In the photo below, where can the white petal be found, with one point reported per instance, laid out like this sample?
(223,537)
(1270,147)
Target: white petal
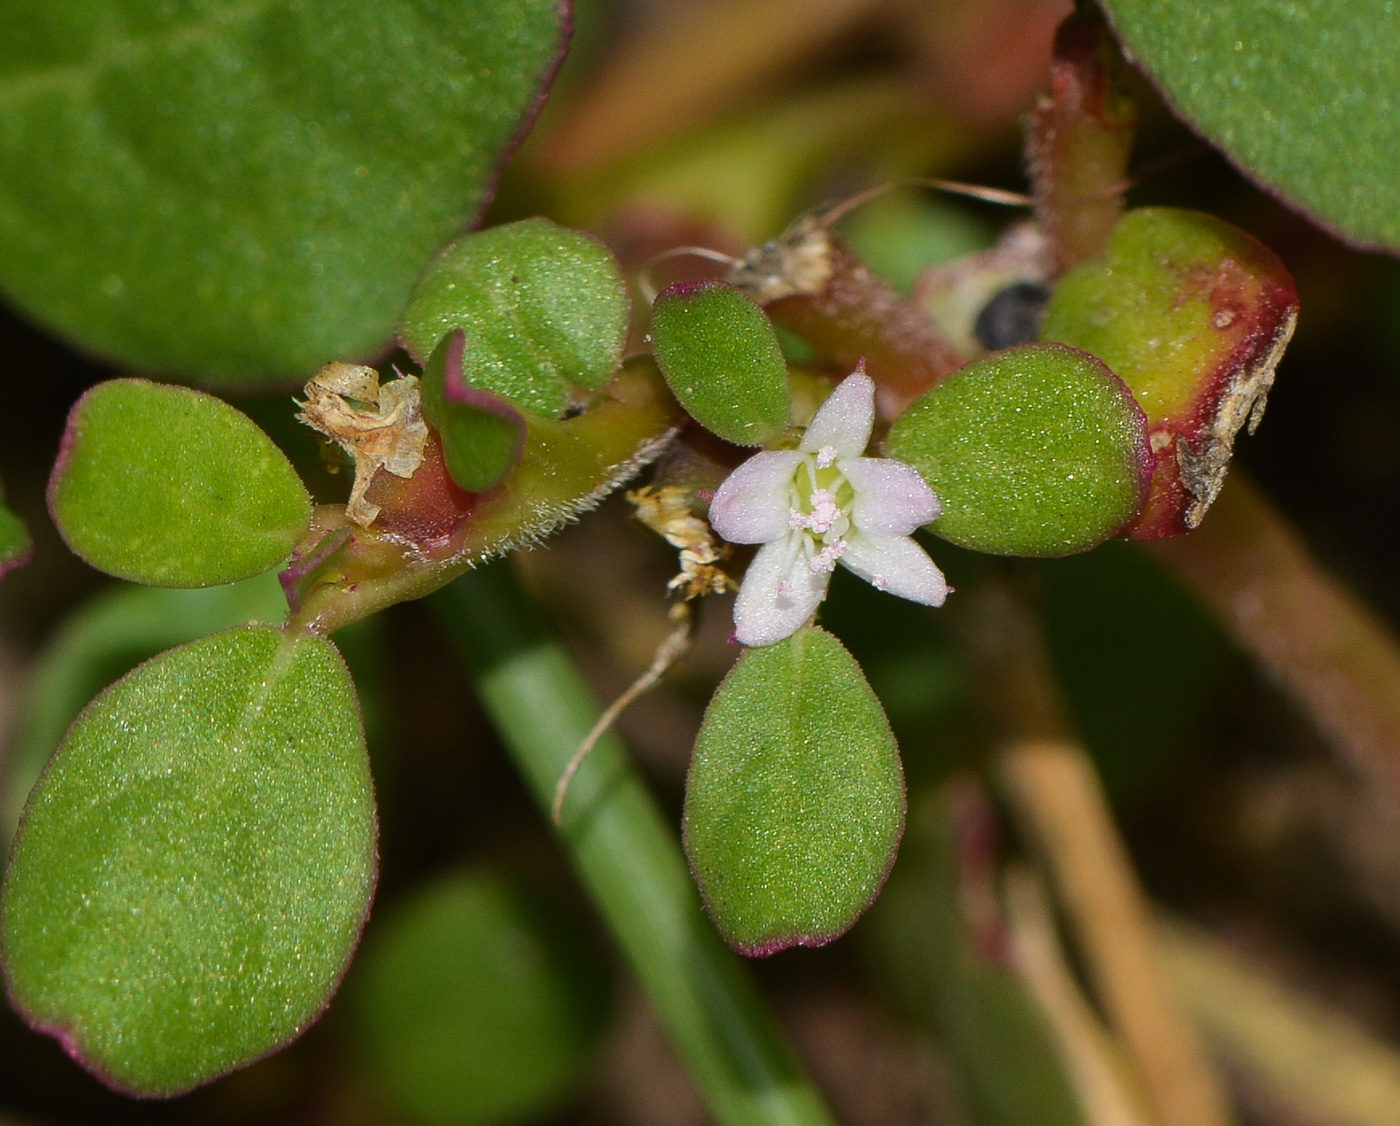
(891,498)
(753,504)
(845,420)
(895,564)
(778,595)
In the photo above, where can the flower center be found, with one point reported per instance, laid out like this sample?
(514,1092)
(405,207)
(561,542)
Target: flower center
(819,512)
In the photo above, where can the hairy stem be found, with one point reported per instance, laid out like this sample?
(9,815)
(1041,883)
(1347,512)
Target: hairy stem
(627,856)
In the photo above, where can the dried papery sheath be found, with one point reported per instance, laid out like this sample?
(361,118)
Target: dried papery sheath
(381,427)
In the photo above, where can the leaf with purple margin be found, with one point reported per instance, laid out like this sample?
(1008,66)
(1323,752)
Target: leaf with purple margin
(1193,315)
(482,434)
(15,544)
(1039,450)
(1303,95)
(721,357)
(543,308)
(193,869)
(243,190)
(794,803)
(171,487)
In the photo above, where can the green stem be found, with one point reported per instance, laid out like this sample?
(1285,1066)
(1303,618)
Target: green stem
(627,856)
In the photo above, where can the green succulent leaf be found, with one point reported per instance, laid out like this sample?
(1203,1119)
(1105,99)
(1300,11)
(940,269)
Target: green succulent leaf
(104,638)
(241,190)
(482,434)
(193,869)
(1193,315)
(543,308)
(171,487)
(1304,95)
(721,357)
(470,1007)
(1038,450)
(794,804)
(15,544)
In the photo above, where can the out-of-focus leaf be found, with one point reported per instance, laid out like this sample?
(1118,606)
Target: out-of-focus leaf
(15,544)
(794,803)
(913,666)
(939,946)
(1193,315)
(1139,662)
(172,487)
(542,309)
(193,869)
(104,639)
(470,1007)
(245,191)
(1038,450)
(1304,95)
(722,360)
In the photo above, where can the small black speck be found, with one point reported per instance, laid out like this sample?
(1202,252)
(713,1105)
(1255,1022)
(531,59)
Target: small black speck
(1013,316)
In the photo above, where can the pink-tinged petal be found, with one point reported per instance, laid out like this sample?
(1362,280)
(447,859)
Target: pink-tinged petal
(844,421)
(891,499)
(779,593)
(753,504)
(895,564)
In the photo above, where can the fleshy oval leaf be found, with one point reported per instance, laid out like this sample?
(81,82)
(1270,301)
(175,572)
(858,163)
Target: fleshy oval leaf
(1193,315)
(1303,95)
(15,544)
(470,1007)
(193,869)
(242,191)
(721,357)
(171,487)
(482,435)
(794,804)
(105,637)
(1038,450)
(543,308)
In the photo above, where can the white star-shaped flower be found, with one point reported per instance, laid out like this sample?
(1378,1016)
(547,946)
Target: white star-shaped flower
(823,504)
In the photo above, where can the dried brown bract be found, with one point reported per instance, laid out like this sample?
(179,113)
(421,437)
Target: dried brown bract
(666,511)
(380,427)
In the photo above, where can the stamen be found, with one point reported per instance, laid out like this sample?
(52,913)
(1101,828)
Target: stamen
(824,562)
(826,456)
(825,511)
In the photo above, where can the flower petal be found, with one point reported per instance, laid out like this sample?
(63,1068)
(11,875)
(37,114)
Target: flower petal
(845,420)
(895,564)
(779,593)
(891,499)
(753,504)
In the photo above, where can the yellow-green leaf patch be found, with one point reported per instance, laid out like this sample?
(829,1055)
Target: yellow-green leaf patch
(171,487)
